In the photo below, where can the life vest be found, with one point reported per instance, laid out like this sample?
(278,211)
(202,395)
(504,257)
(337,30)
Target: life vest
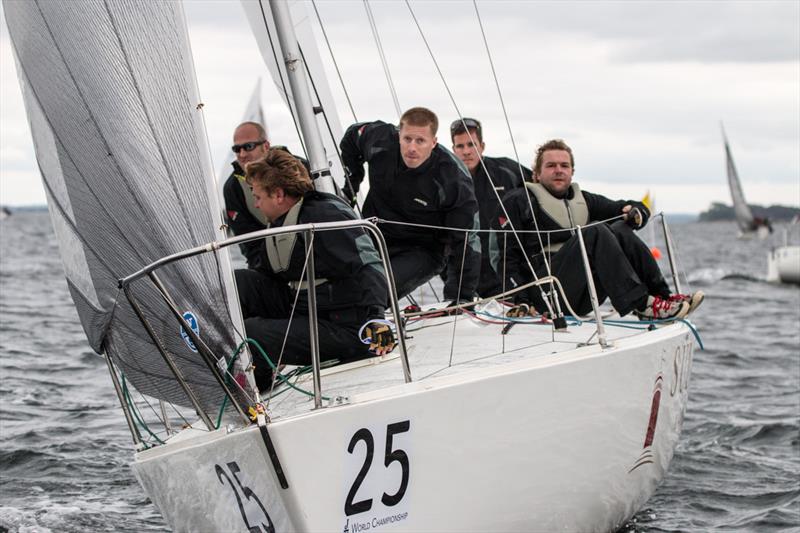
(250,200)
(565,212)
(280,248)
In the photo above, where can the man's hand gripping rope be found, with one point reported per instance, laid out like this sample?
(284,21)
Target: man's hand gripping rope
(378,334)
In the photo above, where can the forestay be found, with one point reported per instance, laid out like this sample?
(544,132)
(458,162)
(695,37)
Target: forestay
(110,93)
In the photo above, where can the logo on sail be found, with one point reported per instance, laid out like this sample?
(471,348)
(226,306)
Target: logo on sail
(190,319)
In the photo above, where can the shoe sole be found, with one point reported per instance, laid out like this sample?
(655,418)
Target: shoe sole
(695,301)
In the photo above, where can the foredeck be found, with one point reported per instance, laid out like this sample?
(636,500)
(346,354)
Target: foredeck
(445,346)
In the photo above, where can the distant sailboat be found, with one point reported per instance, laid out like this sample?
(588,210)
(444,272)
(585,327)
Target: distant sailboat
(749,225)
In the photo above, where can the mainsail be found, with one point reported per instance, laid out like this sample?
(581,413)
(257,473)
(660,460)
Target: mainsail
(110,93)
(744,217)
(260,17)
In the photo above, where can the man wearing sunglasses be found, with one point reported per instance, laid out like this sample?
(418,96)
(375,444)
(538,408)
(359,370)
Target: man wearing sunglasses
(492,178)
(249,143)
(414,182)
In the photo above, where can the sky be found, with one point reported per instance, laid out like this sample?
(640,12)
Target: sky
(638,89)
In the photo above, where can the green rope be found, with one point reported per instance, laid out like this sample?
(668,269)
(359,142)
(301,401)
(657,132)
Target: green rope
(281,377)
(136,415)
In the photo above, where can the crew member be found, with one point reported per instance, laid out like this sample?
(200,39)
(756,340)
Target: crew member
(249,143)
(492,178)
(351,287)
(623,268)
(413,180)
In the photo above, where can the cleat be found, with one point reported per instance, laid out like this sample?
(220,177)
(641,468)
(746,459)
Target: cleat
(658,308)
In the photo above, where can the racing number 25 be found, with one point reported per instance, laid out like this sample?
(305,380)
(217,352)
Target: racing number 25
(390,456)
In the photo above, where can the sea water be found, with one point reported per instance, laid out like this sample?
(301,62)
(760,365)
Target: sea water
(65,448)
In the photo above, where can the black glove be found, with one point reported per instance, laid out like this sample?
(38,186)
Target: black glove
(521,310)
(349,194)
(634,218)
(379,336)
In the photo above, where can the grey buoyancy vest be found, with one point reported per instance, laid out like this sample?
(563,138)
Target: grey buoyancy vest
(250,200)
(567,213)
(280,248)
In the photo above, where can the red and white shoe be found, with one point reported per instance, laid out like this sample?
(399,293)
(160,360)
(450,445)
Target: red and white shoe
(694,300)
(658,308)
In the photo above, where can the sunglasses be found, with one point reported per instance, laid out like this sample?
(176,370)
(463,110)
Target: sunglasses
(247,147)
(462,125)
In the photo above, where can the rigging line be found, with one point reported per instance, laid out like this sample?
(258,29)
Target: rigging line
(134,363)
(382,55)
(335,64)
(499,92)
(278,64)
(328,126)
(291,317)
(472,230)
(458,297)
(483,164)
(508,125)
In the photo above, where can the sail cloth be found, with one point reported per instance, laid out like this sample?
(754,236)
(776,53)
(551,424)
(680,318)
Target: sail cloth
(111,98)
(259,15)
(253,113)
(744,217)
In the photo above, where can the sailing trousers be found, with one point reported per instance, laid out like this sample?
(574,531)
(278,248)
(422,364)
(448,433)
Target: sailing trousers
(267,307)
(412,266)
(623,269)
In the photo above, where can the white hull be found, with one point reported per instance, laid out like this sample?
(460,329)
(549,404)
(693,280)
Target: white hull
(783,265)
(546,443)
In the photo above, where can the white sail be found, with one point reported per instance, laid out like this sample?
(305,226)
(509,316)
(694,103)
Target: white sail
(254,112)
(259,15)
(744,217)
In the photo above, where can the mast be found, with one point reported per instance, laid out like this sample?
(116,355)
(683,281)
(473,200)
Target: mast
(295,67)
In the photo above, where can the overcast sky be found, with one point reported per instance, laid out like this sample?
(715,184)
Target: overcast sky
(638,89)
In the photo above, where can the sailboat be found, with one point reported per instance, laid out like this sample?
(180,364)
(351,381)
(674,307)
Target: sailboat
(468,426)
(748,224)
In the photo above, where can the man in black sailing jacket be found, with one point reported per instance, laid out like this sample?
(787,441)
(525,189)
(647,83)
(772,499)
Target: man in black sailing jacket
(413,180)
(623,268)
(493,178)
(350,290)
(249,143)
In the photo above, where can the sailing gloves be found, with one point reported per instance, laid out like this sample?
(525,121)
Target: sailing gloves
(379,336)
(634,218)
(521,311)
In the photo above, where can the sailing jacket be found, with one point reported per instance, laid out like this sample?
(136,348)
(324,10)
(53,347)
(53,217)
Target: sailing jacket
(241,214)
(555,215)
(505,177)
(437,193)
(347,268)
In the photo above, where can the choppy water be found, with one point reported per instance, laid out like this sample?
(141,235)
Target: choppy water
(65,448)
